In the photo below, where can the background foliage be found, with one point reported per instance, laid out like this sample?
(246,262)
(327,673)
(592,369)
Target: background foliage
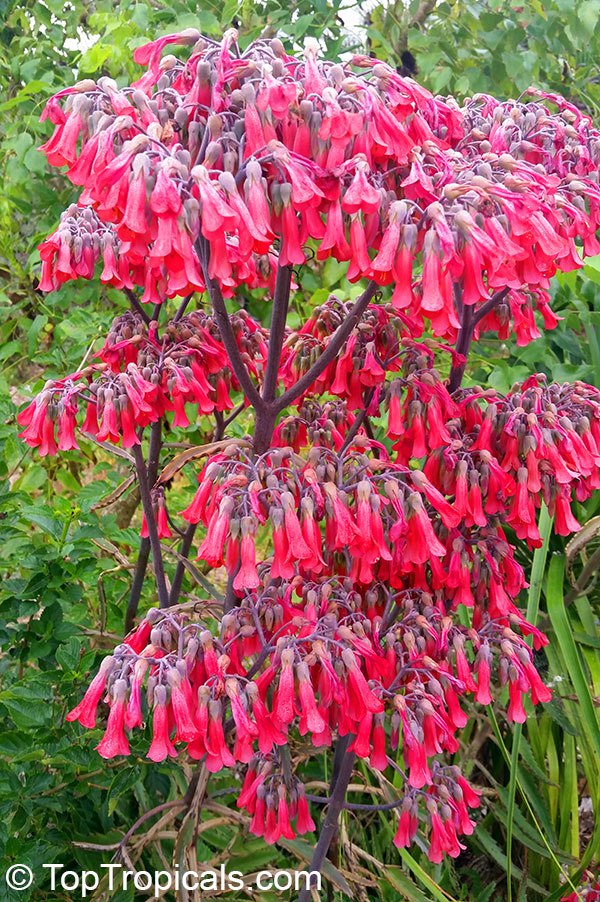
(65,565)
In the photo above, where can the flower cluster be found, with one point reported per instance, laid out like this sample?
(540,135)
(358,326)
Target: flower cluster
(141,379)
(589,889)
(418,405)
(445,810)
(321,656)
(375,514)
(539,442)
(258,153)
(73,250)
(315,423)
(272,802)
(367,532)
(373,349)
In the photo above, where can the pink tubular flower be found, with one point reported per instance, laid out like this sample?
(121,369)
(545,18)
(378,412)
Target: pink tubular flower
(187,729)
(269,733)
(291,252)
(138,638)
(282,565)
(470,795)
(272,830)
(378,757)
(310,719)
(360,696)
(85,711)
(247,576)
(114,742)
(304,822)
(248,796)
(258,823)
(246,728)
(161,746)
(283,815)
(298,549)
(211,549)
(442,837)
(482,668)
(218,754)
(133,714)
(283,707)
(516,711)
(407,825)
(361,744)
(421,541)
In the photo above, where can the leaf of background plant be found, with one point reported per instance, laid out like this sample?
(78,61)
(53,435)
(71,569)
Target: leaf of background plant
(405,886)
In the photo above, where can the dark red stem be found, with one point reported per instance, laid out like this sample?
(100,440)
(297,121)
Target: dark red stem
(336,342)
(469,320)
(263,428)
(182,307)
(159,570)
(358,421)
(136,305)
(463,343)
(357,806)
(266,415)
(336,805)
(186,544)
(223,322)
(144,552)
(489,305)
(137,584)
(281,300)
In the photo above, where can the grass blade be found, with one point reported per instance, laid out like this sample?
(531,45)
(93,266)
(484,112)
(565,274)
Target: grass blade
(533,606)
(583,708)
(434,888)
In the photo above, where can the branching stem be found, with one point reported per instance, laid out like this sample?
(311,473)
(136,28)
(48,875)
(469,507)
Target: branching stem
(358,421)
(336,804)
(136,305)
(144,552)
(159,570)
(137,584)
(186,545)
(281,300)
(333,348)
(224,323)
(182,307)
(469,320)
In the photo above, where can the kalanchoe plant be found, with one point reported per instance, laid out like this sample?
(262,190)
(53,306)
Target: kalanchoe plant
(373,500)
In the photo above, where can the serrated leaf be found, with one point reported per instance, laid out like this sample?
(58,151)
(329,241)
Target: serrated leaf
(27,705)
(125,779)
(68,654)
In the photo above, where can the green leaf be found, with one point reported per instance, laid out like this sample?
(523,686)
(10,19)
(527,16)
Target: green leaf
(394,876)
(533,603)
(27,704)
(572,660)
(482,838)
(125,779)
(436,891)
(304,851)
(33,478)
(68,654)
(554,709)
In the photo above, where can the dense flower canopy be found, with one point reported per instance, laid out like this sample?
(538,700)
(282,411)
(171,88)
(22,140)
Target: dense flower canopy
(368,539)
(260,153)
